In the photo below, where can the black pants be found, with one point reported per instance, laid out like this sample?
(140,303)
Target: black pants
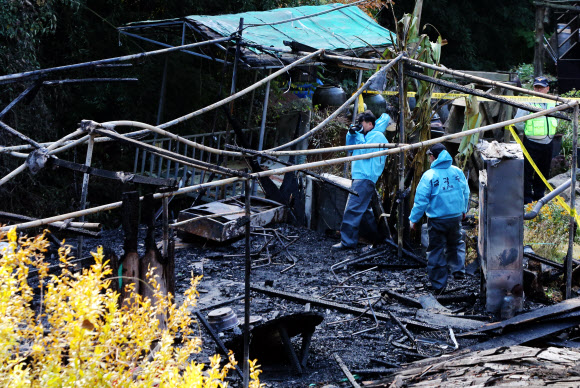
(446,250)
(542,157)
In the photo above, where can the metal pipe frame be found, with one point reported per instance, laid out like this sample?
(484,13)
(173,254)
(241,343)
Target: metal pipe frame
(85,190)
(16,77)
(168,45)
(247,275)
(401,205)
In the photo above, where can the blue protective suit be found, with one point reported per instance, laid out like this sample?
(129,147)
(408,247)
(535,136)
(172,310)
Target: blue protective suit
(442,192)
(365,174)
(370,169)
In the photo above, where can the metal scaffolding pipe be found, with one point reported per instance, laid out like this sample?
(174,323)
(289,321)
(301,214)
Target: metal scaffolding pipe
(27,74)
(241,92)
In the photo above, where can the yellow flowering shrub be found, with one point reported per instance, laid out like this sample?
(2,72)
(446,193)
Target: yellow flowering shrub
(548,232)
(80,337)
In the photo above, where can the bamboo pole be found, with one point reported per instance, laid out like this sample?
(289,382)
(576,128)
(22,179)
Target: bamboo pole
(241,92)
(406,147)
(176,157)
(340,109)
(51,150)
(486,81)
(570,255)
(479,93)
(114,205)
(27,74)
(103,139)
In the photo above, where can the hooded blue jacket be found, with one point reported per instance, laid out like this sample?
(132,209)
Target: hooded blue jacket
(442,191)
(370,169)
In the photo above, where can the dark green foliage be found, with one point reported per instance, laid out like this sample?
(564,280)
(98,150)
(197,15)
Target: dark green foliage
(482,35)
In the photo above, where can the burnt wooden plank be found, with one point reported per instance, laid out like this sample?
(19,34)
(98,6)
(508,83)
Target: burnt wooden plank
(521,336)
(411,302)
(535,315)
(339,307)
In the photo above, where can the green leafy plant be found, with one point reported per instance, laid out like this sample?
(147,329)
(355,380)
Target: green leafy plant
(566,128)
(548,232)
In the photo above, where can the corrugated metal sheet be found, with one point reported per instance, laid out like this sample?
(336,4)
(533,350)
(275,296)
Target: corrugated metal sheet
(343,29)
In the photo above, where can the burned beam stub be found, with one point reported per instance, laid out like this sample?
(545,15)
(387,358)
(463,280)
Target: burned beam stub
(501,222)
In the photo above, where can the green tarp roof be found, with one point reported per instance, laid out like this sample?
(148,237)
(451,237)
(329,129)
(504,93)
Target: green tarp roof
(343,29)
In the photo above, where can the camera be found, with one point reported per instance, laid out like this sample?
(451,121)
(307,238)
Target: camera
(354,128)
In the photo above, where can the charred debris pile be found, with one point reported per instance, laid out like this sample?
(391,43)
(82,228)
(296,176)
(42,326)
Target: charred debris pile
(310,314)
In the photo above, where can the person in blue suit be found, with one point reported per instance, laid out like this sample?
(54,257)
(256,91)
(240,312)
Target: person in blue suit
(365,174)
(443,194)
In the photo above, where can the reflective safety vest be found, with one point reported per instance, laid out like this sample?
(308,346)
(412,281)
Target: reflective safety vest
(541,126)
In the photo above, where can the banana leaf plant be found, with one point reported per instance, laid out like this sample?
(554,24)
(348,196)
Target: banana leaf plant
(417,123)
(473,119)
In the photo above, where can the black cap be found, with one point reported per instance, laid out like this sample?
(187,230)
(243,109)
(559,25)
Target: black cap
(436,149)
(541,81)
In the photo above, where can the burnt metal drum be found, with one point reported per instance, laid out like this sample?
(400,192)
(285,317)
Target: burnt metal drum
(222,319)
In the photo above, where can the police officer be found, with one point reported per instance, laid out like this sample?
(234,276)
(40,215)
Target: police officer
(365,174)
(538,136)
(443,194)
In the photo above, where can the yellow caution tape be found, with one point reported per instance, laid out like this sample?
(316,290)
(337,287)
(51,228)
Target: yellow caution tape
(453,96)
(560,200)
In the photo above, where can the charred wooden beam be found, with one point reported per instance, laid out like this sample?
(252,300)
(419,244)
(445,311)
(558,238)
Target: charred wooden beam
(338,306)
(533,256)
(345,370)
(411,302)
(217,339)
(124,177)
(407,252)
(535,315)
(447,299)
(19,135)
(375,371)
(22,95)
(479,93)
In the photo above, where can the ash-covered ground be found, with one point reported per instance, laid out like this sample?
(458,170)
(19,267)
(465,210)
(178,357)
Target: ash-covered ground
(381,346)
